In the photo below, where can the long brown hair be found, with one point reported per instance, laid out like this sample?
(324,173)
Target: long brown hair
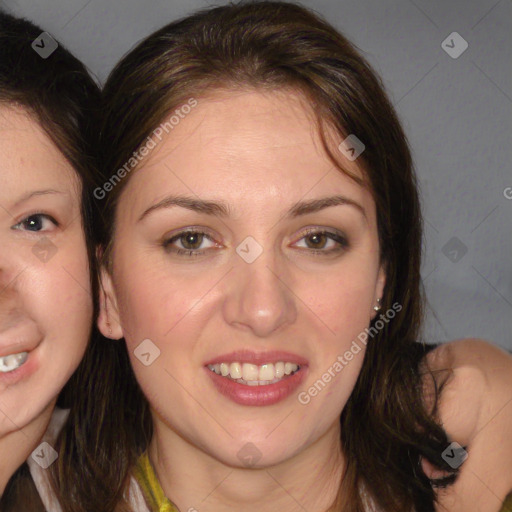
(386,425)
(62,97)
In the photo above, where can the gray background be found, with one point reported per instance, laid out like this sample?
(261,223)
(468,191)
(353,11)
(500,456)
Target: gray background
(456,112)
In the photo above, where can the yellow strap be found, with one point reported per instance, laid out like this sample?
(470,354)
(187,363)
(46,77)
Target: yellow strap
(507,504)
(153,492)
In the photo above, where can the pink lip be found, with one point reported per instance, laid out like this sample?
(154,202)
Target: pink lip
(258,358)
(21,338)
(258,395)
(29,367)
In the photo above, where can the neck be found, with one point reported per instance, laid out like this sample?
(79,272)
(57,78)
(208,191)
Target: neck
(194,480)
(16,445)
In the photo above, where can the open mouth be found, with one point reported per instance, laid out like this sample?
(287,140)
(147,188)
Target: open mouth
(255,375)
(12,362)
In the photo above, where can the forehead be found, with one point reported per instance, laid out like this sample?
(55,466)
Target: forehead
(27,153)
(244,145)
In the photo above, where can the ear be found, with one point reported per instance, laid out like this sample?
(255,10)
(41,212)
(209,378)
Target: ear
(379,289)
(108,319)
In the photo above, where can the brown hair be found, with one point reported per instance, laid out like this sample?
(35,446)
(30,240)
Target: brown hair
(61,96)
(386,426)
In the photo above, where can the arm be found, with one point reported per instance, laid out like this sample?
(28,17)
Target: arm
(476,411)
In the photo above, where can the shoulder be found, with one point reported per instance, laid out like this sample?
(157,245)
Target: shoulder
(135,496)
(475,409)
(38,470)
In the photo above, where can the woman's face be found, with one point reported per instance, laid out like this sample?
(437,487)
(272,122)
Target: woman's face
(255,286)
(45,296)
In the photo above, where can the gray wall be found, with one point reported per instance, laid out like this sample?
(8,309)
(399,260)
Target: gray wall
(456,111)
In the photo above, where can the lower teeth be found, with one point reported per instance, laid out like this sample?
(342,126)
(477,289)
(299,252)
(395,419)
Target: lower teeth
(256,382)
(259,382)
(12,362)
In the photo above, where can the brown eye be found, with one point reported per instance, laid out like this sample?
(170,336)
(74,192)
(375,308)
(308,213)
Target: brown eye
(190,242)
(318,241)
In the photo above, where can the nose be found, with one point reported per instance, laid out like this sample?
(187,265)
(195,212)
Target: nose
(259,297)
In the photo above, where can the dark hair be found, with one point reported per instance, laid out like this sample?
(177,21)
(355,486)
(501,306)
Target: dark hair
(386,425)
(61,96)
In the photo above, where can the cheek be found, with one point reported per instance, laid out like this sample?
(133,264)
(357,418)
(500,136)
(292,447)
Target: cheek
(75,282)
(342,307)
(56,297)
(60,291)
(342,301)
(156,305)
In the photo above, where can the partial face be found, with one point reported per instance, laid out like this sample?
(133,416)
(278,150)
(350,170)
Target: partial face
(45,296)
(250,286)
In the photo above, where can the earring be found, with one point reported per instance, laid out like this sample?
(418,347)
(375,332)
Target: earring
(378,306)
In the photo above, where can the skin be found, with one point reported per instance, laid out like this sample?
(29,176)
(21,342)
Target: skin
(268,157)
(260,154)
(48,301)
(476,411)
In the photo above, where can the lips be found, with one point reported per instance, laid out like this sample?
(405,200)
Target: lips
(16,346)
(257,378)
(258,358)
(24,337)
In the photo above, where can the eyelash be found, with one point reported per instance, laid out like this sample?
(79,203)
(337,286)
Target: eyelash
(32,216)
(335,236)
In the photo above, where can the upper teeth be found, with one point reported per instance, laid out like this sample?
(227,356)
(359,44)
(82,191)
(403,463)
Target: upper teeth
(253,373)
(12,361)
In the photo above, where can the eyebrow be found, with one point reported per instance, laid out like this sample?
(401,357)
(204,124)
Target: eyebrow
(34,193)
(221,209)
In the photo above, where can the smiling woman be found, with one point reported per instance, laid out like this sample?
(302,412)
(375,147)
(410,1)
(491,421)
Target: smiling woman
(269,246)
(46,287)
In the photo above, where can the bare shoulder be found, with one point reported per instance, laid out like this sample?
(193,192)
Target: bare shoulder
(475,351)
(475,409)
